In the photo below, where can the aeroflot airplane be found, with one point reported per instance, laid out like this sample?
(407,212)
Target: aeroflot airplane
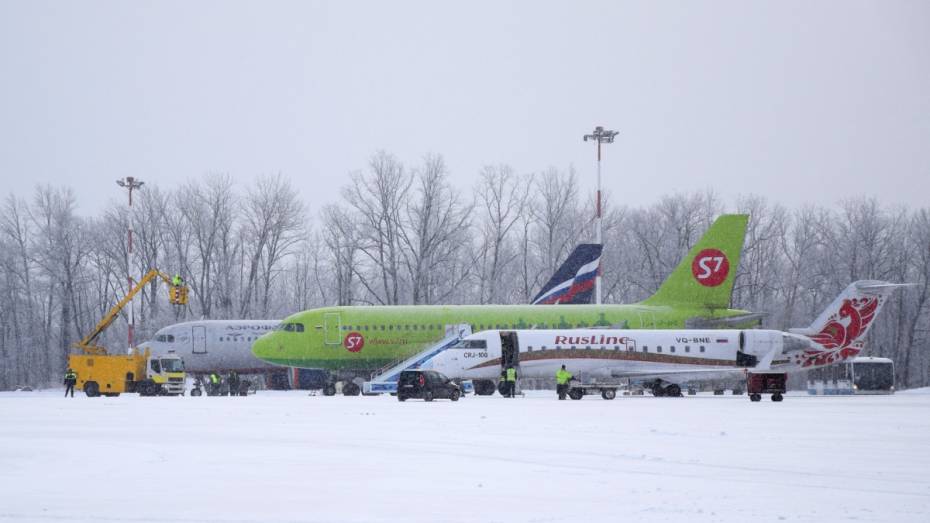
(226,345)
(696,294)
(667,358)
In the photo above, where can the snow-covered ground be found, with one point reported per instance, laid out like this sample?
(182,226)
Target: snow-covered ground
(294,457)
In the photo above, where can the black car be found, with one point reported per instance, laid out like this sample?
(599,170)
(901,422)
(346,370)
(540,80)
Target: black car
(426,384)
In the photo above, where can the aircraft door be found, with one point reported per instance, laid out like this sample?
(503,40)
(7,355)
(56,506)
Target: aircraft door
(510,357)
(199,339)
(510,350)
(331,328)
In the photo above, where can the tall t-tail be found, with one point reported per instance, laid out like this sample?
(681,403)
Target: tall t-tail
(840,330)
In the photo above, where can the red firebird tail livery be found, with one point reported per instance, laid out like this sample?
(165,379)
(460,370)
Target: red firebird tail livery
(839,331)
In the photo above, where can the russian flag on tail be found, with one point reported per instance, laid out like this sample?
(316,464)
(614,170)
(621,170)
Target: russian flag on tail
(573,283)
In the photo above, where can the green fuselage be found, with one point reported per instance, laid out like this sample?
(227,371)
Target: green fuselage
(369,338)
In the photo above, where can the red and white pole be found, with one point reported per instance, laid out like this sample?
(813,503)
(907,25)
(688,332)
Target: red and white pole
(597,278)
(600,135)
(130,184)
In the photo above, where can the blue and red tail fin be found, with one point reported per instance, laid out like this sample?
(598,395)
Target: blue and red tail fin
(573,283)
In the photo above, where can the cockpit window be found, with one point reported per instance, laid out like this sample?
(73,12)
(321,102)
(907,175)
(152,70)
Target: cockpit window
(472,344)
(292,327)
(165,338)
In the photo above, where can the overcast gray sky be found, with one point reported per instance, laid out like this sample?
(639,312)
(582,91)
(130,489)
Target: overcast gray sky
(803,101)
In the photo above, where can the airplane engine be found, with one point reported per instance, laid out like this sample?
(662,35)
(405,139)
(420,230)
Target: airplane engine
(755,344)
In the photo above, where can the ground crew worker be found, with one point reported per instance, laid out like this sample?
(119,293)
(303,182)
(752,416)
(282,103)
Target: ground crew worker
(70,380)
(511,382)
(214,383)
(233,381)
(562,377)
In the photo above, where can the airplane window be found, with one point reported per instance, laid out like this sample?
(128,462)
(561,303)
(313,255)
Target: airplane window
(687,348)
(414,327)
(573,347)
(645,348)
(390,327)
(407,327)
(529,349)
(587,346)
(382,327)
(543,347)
(659,348)
(702,348)
(616,347)
(672,348)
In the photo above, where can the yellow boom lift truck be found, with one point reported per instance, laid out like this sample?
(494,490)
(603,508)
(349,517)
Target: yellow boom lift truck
(110,374)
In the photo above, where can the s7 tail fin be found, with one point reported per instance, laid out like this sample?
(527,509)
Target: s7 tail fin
(705,276)
(573,282)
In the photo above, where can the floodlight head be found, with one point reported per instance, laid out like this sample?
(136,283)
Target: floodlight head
(121,183)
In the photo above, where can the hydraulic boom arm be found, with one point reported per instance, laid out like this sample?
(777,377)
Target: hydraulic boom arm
(177,295)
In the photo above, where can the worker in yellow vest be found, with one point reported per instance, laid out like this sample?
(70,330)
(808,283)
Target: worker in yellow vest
(70,380)
(562,377)
(511,378)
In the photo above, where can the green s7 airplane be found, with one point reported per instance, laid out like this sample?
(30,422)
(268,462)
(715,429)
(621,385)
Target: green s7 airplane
(367,338)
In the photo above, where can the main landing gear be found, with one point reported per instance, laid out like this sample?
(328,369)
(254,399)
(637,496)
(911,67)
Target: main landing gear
(671,390)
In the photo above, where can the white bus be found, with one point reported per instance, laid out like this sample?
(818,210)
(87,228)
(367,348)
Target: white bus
(861,375)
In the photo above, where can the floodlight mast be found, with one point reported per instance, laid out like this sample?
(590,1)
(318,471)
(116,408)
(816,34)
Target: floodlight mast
(600,135)
(130,184)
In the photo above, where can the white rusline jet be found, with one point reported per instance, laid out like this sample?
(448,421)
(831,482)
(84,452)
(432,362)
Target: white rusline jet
(666,358)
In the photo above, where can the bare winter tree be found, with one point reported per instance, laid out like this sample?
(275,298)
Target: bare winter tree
(432,220)
(273,223)
(209,207)
(340,235)
(501,200)
(378,199)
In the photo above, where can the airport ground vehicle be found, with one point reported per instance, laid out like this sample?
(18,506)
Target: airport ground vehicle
(112,374)
(426,384)
(759,383)
(576,391)
(861,375)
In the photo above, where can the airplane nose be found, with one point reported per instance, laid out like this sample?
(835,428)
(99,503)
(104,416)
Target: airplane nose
(261,347)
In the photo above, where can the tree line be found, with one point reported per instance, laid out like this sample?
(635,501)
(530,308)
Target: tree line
(405,234)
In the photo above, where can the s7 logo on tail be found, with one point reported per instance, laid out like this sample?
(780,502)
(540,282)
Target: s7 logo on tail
(710,267)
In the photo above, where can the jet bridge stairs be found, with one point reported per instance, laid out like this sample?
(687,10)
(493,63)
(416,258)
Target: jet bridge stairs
(385,380)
